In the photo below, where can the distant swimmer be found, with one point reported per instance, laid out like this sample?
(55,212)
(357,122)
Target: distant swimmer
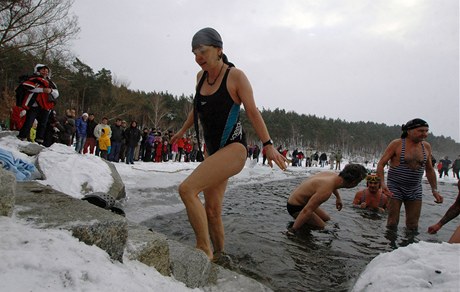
(371,198)
(303,204)
(451,213)
(409,157)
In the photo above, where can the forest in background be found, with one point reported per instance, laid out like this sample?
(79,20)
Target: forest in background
(34,32)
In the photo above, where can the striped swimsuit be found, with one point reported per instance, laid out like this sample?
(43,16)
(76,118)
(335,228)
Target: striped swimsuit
(220,118)
(406,183)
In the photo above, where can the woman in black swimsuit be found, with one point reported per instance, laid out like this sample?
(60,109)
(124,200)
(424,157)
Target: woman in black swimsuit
(221,90)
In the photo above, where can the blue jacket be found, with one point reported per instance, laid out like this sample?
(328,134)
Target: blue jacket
(81,126)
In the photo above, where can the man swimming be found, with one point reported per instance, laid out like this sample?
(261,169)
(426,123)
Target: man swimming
(303,204)
(371,198)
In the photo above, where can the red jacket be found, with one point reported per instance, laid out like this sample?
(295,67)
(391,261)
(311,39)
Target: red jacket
(188,147)
(181,142)
(44,100)
(16,120)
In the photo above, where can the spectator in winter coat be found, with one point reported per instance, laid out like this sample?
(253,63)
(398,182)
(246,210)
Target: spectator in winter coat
(97,131)
(331,160)
(315,158)
(445,166)
(81,126)
(38,102)
(124,126)
(180,148)
(149,150)
(53,130)
(145,134)
(256,152)
(294,157)
(174,150)
(456,167)
(104,143)
(323,159)
(90,138)
(158,150)
(187,149)
(115,141)
(165,150)
(338,160)
(33,131)
(65,137)
(132,137)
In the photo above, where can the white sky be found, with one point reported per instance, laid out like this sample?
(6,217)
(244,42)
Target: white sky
(53,260)
(385,61)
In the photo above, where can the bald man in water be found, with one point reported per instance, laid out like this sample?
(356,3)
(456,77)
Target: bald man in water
(303,204)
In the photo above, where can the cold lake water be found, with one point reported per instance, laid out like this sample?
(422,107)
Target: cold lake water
(255,220)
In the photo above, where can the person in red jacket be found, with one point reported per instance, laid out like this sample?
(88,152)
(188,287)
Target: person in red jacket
(187,149)
(38,102)
(180,148)
(18,118)
(158,150)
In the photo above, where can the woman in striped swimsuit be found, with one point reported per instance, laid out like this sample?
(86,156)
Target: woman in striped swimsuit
(409,157)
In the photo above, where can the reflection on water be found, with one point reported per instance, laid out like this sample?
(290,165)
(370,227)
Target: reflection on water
(255,220)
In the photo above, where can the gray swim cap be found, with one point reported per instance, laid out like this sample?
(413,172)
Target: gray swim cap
(208,37)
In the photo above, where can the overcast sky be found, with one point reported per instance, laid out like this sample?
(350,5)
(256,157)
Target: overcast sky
(385,61)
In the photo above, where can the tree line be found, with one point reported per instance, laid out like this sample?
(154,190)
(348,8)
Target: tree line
(40,32)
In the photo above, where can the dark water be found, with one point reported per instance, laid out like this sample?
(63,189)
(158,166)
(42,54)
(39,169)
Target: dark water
(255,220)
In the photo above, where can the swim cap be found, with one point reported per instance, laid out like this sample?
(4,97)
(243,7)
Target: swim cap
(412,124)
(207,36)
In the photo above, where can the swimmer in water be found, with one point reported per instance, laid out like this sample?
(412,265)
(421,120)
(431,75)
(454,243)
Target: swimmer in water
(303,204)
(371,198)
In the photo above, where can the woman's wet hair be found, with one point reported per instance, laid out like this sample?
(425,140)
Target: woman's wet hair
(353,173)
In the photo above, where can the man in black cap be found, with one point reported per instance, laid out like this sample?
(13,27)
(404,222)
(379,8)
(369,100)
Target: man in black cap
(409,157)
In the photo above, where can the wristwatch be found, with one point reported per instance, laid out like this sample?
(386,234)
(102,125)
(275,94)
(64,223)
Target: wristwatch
(269,142)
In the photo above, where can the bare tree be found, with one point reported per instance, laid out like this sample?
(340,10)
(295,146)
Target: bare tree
(40,27)
(160,111)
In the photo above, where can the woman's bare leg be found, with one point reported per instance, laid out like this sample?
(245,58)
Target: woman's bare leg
(213,197)
(212,172)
